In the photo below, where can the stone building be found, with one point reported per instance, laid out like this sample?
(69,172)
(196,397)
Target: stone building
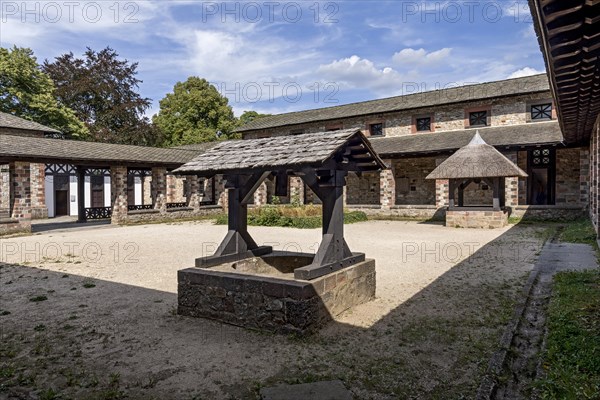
(42,176)
(569,37)
(415,133)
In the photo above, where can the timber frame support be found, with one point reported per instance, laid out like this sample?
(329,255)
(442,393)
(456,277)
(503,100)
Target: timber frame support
(238,244)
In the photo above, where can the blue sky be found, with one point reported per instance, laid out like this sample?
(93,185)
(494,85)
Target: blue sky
(281,56)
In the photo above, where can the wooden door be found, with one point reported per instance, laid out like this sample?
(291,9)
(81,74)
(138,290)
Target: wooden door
(61,195)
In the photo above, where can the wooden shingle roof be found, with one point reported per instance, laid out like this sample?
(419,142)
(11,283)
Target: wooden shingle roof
(509,87)
(285,152)
(34,149)
(14,122)
(538,133)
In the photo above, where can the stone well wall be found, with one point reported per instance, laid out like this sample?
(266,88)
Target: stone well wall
(273,304)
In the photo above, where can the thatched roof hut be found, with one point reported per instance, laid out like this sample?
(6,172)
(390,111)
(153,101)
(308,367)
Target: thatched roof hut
(476,160)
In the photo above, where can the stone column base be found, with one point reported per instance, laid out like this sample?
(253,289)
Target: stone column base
(481,219)
(39,212)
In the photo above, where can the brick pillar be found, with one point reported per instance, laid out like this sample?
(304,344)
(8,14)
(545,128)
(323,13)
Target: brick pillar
(221,197)
(584,177)
(260,196)
(193,192)
(208,190)
(39,210)
(159,188)
(171,189)
(147,189)
(387,187)
(118,193)
(296,190)
(20,194)
(511,193)
(4,191)
(442,193)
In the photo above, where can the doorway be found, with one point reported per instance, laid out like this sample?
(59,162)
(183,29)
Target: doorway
(61,195)
(542,177)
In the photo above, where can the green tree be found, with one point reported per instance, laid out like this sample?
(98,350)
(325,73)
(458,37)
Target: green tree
(103,92)
(29,93)
(249,116)
(194,113)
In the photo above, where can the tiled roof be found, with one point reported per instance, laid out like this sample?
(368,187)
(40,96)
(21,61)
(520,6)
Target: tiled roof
(14,122)
(272,153)
(510,87)
(73,151)
(198,147)
(514,135)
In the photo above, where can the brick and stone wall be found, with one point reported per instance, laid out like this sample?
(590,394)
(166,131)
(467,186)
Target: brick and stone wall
(19,215)
(504,111)
(159,187)
(118,190)
(568,181)
(176,189)
(594,179)
(411,186)
(476,219)
(364,189)
(39,210)
(277,305)
(387,188)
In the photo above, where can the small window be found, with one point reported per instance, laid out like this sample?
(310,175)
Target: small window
(478,118)
(376,129)
(541,112)
(297,131)
(423,124)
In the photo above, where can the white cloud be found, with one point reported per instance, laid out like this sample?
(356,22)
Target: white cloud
(421,57)
(356,72)
(527,71)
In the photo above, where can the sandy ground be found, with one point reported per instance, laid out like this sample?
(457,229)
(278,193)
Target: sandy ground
(105,326)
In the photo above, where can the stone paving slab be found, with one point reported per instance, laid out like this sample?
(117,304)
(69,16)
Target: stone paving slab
(326,390)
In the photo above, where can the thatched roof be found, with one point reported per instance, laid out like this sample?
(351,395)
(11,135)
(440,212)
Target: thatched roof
(476,160)
(348,148)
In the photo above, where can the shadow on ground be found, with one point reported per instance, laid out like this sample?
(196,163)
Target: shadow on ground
(87,338)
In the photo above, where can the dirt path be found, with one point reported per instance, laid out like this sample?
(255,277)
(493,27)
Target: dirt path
(98,321)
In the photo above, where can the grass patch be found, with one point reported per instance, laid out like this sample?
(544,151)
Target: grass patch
(302,217)
(580,231)
(38,298)
(572,357)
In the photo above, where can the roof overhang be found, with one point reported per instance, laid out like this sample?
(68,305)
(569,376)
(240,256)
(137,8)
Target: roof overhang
(510,137)
(569,36)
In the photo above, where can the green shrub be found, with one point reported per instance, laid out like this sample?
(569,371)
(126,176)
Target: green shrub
(302,217)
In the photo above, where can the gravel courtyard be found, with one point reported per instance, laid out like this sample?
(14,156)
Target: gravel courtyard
(90,314)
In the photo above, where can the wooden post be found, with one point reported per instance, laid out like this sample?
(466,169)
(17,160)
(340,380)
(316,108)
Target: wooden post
(238,244)
(81,217)
(496,187)
(333,253)
(451,188)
